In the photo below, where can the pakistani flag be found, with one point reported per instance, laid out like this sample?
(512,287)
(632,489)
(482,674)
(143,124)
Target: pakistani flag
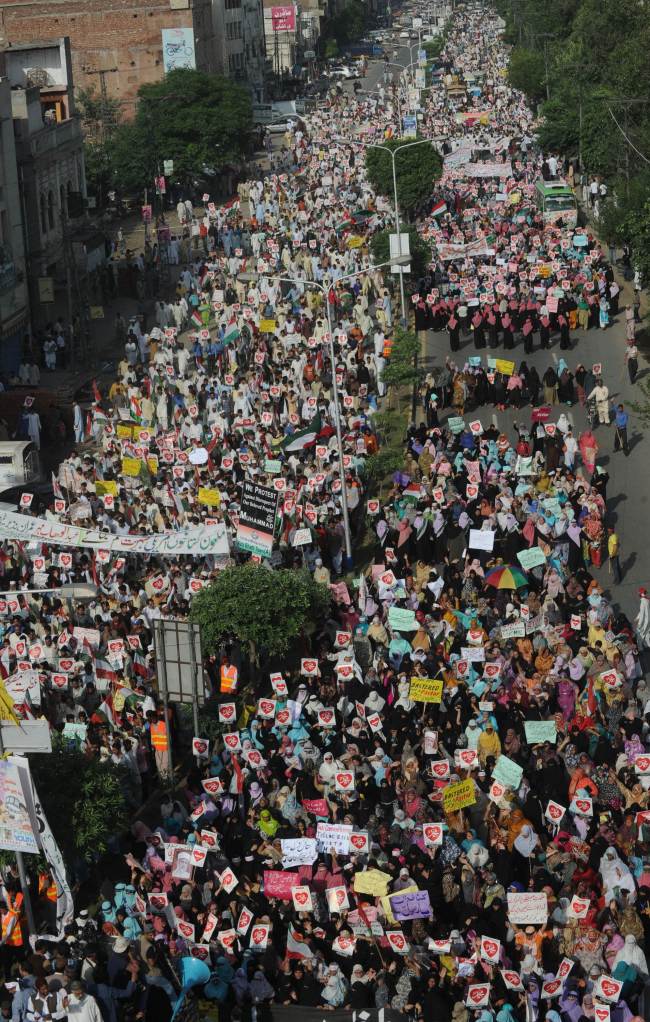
(231,335)
(303,438)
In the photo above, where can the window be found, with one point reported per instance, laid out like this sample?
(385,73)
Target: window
(63,199)
(233,30)
(43,214)
(235,61)
(50,209)
(232,5)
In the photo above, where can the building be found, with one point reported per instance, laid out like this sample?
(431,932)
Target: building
(14,307)
(282,32)
(117,45)
(238,27)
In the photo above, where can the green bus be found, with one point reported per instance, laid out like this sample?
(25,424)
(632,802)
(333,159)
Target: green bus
(556,201)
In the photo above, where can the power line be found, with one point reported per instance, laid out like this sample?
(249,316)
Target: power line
(626,137)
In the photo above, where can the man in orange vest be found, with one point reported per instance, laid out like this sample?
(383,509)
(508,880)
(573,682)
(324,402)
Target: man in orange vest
(229,677)
(47,896)
(11,919)
(159,735)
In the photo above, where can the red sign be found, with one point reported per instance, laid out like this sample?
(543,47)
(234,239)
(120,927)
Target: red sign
(283,19)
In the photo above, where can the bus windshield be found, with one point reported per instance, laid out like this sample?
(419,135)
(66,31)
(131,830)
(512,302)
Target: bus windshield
(555,202)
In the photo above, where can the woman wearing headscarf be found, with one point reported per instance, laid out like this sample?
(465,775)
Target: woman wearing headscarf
(335,990)
(632,955)
(616,877)
(267,824)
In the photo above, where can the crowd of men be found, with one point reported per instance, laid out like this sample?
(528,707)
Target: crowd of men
(439,804)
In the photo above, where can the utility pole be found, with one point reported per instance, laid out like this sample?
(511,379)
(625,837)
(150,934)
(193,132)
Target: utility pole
(626,103)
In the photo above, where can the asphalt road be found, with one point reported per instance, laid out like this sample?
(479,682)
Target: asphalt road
(628,492)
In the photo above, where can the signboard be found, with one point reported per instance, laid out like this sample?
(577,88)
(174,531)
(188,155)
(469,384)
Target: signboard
(399,247)
(256,526)
(458,796)
(179,659)
(178,49)
(409,126)
(527,909)
(46,289)
(17,831)
(426,690)
(283,19)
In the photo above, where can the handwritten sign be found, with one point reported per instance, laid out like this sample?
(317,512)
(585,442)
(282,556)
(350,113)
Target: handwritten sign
(458,796)
(540,731)
(527,909)
(426,690)
(531,558)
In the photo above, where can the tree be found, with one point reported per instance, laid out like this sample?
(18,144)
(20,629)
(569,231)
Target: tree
(83,800)
(417,169)
(348,25)
(526,72)
(420,250)
(269,609)
(202,122)
(401,369)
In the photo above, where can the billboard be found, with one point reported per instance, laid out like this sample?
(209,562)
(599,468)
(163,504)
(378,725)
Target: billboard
(178,49)
(256,527)
(283,19)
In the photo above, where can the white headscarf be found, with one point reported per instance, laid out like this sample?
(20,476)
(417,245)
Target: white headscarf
(616,874)
(631,954)
(526,841)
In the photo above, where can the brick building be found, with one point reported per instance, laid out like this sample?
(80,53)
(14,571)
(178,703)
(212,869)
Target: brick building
(116,45)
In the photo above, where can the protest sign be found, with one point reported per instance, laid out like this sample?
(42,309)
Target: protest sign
(426,690)
(540,731)
(527,909)
(402,620)
(507,772)
(278,883)
(373,882)
(256,524)
(334,835)
(531,558)
(458,796)
(298,851)
(481,539)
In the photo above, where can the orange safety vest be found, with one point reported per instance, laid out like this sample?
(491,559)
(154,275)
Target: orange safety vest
(14,912)
(388,347)
(159,736)
(49,890)
(229,677)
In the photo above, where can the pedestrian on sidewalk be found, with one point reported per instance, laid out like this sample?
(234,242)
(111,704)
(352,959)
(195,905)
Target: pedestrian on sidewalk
(621,419)
(630,324)
(632,361)
(613,552)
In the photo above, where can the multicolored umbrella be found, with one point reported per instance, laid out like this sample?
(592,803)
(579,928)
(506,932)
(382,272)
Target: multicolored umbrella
(506,576)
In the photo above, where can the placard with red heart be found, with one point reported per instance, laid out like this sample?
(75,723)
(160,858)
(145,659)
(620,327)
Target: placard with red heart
(564,968)
(337,899)
(552,988)
(327,718)
(302,899)
(440,769)
(309,667)
(578,907)
(266,708)
(433,834)
(490,949)
(201,748)
(199,855)
(397,941)
(440,947)
(344,780)
(232,741)
(244,921)
(185,929)
(344,945)
(228,880)
(210,927)
(511,979)
(212,785)
(608,989)
(602,1013)
(227,938)
(554,811)
(582,806)
(497,791)
(227,712)
(478,995)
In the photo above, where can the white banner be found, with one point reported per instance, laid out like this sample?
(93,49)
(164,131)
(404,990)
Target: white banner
(200,541)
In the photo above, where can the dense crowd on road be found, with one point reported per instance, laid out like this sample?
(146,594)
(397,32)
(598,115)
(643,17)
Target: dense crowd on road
(440,805)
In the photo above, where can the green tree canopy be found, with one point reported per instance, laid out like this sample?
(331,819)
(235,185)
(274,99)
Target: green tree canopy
(83,800)
(269,609)
(526,72)
(199,121)
(417,168)
(420,249)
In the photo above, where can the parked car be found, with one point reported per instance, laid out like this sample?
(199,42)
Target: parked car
(343,71)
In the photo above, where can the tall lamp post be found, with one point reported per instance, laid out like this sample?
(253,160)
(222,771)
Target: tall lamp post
(247,278)
(393,153)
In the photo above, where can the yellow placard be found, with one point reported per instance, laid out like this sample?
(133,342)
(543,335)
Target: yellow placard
(152,463)
(514,198)
(354,241)
(426,690)
(124,431)
(268,326)
(209,496)
(458,796)
(373,882)
(544,271)
(96,311)
(131,466)
(504,366)
(106,486)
